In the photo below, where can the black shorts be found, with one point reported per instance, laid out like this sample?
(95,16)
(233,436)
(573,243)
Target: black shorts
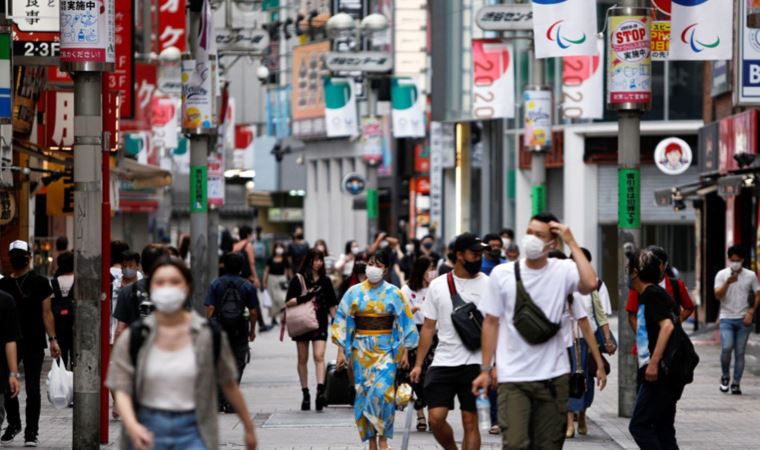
(442,384)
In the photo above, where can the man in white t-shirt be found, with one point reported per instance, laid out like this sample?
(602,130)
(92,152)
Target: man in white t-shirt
(534,379)
(735,286)
(454,366)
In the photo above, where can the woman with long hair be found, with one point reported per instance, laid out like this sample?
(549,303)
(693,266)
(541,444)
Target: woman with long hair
(312,284)
(423,272)
(375,329)
(276,275)
(345,263)
(162,378)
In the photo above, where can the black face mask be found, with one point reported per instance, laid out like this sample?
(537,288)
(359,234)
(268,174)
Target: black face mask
(19,262)
(473,267)
(495,254)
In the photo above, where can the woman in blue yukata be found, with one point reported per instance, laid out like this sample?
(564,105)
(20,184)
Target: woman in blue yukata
(374,328)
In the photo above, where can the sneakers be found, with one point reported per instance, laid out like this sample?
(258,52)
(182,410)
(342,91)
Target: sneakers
(10,433)
(30,440)
(735,389)
(724,384)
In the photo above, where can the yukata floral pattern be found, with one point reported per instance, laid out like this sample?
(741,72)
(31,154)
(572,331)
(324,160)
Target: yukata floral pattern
(374,356)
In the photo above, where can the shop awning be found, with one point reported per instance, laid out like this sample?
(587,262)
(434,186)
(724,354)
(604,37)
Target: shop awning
(142,176)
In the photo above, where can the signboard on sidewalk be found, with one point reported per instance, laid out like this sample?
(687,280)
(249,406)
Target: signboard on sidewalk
(88,32)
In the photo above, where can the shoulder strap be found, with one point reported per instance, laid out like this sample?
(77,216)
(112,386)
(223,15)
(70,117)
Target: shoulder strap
(676,291)
(599,285)
(303,283)
(455,298)
(138,332)
(56,288)
(216,337)
(517,271)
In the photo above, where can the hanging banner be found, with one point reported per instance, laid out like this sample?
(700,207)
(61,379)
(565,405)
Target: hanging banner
(171,25)
(121,79)
(702,30)
(629,75)
(408,108)
(88,32)
(747,73)
(59,120)
(583,85)
(197,106)
(538,119)
(493,90)
(372,140)
(564,28)
(340,107)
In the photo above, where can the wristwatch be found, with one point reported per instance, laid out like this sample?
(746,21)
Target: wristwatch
(14,375)
(486,368)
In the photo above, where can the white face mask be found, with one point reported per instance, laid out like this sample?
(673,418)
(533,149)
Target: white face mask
(168,299)
(374,274)
(736,266)
(279,251)
(505,242)
(409,248)
(533,247)
(356,250)
(384,244)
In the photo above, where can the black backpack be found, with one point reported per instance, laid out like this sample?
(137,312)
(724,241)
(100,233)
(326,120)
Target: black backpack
(230,310)
(63,307)
(680,359)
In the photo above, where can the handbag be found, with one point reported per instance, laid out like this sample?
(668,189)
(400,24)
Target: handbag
(577,378)
(467,319)
(599,334)
(529,319)
(302,318)
(679,359)
(591,366)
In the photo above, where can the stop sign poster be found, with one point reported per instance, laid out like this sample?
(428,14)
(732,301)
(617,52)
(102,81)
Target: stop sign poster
(629,74)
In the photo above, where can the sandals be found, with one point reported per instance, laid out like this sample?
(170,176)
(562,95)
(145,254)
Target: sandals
(494,430)
(421,424)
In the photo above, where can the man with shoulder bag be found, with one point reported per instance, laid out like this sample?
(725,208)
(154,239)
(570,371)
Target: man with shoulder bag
(451,307)
(524,325)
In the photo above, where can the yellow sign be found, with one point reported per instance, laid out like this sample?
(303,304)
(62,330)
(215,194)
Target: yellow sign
(660,32)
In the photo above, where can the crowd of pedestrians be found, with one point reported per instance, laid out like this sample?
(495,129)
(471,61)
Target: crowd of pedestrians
(523,327)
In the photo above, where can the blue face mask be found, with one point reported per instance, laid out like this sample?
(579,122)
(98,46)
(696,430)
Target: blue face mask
(428,245)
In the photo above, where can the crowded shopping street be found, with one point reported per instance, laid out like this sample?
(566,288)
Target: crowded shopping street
(376,224)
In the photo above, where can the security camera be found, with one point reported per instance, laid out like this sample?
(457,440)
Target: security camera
(262,73)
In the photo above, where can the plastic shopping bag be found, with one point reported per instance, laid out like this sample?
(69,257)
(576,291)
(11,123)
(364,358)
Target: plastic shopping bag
(60,384)
(266,299)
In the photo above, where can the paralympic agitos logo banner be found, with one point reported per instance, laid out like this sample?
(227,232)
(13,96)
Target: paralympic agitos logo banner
(701,30)
(564,28)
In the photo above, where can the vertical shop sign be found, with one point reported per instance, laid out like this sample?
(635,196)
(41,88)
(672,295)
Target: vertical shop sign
(198,189)
(171,25)
(660,46)
(629,74)
(88,31)
(215,179)
(629,187)
(408,109)
(121,79)
(493,80)
(340,107)
(27,90)
(59,119)
(5,77)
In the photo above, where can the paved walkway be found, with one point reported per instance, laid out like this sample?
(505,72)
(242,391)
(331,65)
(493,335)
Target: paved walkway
(706,418)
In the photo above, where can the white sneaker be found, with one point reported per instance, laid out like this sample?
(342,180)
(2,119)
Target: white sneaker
(31,441)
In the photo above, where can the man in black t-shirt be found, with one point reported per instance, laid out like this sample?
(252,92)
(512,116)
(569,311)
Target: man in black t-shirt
(32,294)
(653,419)
(297,250)
(132,301)
(9,336)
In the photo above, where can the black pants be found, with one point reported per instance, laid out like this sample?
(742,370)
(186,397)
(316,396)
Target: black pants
(241,351)
(65,335)
(32,361)
(652,423)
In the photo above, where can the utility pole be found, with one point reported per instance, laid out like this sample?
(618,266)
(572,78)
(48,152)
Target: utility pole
(86,61)
(373,207)
(538,101)
(632,64)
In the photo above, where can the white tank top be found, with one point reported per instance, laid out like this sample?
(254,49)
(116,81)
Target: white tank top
(169,381)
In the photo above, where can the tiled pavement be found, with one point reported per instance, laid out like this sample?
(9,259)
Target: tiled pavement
(706,418)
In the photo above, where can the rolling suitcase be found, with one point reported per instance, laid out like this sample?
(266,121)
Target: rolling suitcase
(337,386)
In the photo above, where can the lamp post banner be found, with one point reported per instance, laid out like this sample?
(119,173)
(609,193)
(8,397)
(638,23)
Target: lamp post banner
(88,33)
(583,85)
(701,30)
(564,28)
(493,83)
(629,75)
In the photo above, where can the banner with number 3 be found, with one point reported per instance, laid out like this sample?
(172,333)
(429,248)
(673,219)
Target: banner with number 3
(583,85)
(493,78)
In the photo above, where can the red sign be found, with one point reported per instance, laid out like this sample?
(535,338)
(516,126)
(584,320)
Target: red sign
(662,6)
(171,24)
(738,134)
(59,120)
(120,80)
(145,87)
(57,76)
(421,159)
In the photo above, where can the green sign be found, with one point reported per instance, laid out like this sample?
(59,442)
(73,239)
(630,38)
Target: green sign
(538,198)
(198,189)
(372,207)
(629,198)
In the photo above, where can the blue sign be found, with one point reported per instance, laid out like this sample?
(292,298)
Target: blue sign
(278,112)
(354,183)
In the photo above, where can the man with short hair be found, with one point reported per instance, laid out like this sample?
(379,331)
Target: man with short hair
(512,252)
(454,366)
(32,294)
(493,256)
(228,299)
(738,292)
(534,378)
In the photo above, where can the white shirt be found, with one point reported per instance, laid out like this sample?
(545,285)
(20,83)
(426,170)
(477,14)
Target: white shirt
(438,306)
(570,317)
(736,302)
(66,282)
(346,265)
(415,298)
(516,359)
(587,302)
(169,382)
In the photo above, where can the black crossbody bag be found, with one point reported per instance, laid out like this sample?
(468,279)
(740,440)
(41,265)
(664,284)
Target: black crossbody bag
(467,319)
(529,319)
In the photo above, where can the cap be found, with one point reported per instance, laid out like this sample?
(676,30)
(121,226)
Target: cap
(469,241)
(19,245)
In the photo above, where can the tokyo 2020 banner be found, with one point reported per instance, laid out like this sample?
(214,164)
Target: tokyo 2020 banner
(564,28)
(701,30)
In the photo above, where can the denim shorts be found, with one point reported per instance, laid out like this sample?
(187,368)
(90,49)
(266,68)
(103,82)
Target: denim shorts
(172,430)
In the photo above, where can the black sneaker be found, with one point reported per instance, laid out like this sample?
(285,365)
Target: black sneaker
(30,440)
(724,384)
(736,390)
(10,433)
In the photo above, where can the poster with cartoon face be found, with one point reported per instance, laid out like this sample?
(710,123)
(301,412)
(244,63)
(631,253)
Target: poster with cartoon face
(673,156)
